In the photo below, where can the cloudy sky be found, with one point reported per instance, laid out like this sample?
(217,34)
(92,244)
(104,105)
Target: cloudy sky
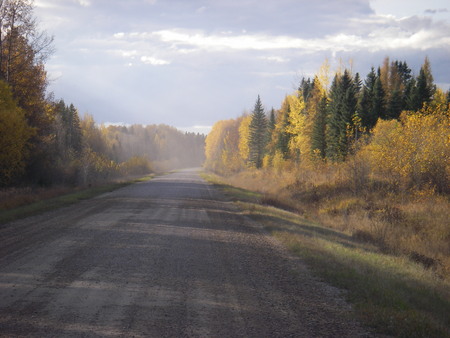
(189,63)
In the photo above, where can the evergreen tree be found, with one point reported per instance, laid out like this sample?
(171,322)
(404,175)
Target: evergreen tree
(371,101)
(365,109)
(68,129)
(258,135)
(341,110)
(425,86)
(395,105)
(280,137)
(421,89)
(404,71)
(394,99)
(74,128)
(306,87)
(412,100)
(272,120)
(318,135)
(333,119)
(378,100)
(358,83)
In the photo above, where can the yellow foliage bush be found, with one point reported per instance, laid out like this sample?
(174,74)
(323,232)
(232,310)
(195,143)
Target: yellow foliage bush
(413,152)
(137,165)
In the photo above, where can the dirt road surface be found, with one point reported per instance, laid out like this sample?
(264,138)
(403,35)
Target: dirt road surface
(166,258)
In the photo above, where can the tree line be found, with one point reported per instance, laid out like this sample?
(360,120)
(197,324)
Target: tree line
(45,141)
(389,112)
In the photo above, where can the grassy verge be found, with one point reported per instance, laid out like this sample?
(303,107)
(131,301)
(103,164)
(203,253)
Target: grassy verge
(46,204)
(389,293)
(235,193)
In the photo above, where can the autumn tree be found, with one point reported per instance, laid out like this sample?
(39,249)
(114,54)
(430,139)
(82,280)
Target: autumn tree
(244,136)
(23,51)
(297,128)
(258,135)
(15,134)
(280,138)
(414,152)
(217,144)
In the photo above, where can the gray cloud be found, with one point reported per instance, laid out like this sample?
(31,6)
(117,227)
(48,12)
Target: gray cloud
(435,11)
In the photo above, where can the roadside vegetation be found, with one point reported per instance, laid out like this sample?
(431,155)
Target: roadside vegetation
(16,203)
(355,178)
(390,292)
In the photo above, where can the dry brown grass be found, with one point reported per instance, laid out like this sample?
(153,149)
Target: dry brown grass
(414,224)
(11,198)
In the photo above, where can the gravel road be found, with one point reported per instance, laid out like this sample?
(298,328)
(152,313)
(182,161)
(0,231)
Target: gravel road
(166,258)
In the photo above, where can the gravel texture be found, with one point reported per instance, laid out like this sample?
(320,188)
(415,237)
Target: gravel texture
(171,257)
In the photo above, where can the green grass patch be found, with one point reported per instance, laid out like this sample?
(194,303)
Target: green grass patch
(390,294)
(63,200)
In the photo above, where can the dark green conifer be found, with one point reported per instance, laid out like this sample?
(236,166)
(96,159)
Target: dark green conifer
(341,110)
(318,135)
(258,135)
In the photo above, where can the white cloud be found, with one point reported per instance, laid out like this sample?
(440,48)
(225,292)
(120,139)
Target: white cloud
(386,33)
(278,59)
(44,4)
(150,60)
(84,3)
(128,53)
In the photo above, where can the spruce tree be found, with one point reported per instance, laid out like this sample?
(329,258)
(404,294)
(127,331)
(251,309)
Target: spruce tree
(318,134)
(272,121)
(333,125)
(395,105)
(341,110)
(412,100)
(258,135)
(378,101)
(306,88)
(280,135)
(365,102)
(371,104)
(425,86)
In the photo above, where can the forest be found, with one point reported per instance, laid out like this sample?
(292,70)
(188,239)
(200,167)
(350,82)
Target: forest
(45,142)
(369,156)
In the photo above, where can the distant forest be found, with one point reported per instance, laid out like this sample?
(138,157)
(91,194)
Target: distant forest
(44,141)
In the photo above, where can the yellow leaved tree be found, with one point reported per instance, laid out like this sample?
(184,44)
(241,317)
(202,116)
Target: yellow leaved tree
(15,134)
(299,141)
(244,135)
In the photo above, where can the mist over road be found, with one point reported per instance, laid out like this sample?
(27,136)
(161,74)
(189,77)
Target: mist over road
(166,258)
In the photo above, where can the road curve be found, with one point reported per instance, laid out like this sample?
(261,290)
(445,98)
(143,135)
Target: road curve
(166,258)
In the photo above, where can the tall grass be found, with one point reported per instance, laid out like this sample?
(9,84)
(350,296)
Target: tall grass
(391,293)
(413,224)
